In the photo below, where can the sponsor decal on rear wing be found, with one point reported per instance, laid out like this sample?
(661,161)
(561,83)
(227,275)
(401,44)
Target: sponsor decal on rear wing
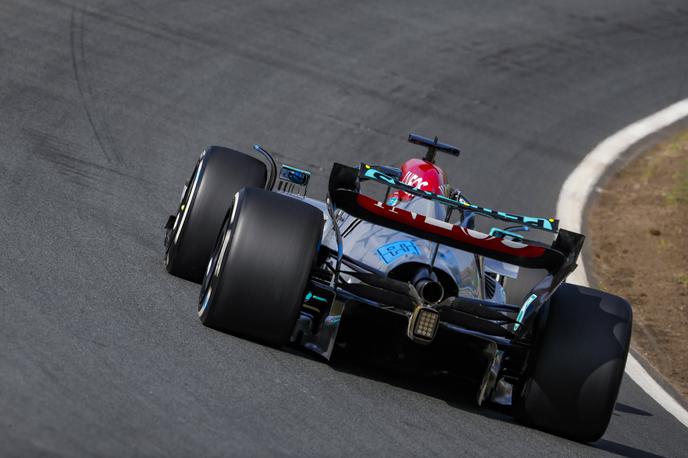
(368,172)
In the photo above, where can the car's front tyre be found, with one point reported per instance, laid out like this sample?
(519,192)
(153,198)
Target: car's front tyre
(218,175)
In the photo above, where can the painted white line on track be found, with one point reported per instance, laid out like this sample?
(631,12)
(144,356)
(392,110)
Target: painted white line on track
(573,198)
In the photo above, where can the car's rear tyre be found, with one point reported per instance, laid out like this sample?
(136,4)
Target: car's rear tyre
(219,174)
(578,363)
(257,275)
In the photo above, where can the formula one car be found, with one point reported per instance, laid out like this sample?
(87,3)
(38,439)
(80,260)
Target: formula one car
(281,268)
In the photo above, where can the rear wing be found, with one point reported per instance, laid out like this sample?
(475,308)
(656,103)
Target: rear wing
(559,258)
(367,172)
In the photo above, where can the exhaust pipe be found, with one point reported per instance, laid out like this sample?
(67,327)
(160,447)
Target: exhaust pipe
(429,289)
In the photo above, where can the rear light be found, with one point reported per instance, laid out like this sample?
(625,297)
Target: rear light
(423,324)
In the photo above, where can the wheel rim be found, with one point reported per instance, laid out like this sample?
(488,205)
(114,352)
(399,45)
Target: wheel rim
(212,271)
(185,204)
(203,305)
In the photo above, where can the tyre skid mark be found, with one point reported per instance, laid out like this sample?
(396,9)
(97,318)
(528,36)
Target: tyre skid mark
(82,172)
(83,83)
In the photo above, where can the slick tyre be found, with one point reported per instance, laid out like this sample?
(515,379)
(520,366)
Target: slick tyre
(256,279)
(206,199)
(578,363)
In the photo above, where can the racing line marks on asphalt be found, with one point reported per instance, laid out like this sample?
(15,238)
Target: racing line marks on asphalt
(572,202)
(83,84)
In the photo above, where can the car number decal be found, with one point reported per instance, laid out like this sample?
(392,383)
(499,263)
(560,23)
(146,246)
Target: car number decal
(392,251)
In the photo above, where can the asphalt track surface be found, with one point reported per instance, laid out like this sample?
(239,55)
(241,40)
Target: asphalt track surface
(104,107)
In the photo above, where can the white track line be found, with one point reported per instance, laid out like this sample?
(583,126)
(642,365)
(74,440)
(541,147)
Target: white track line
(572,202)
